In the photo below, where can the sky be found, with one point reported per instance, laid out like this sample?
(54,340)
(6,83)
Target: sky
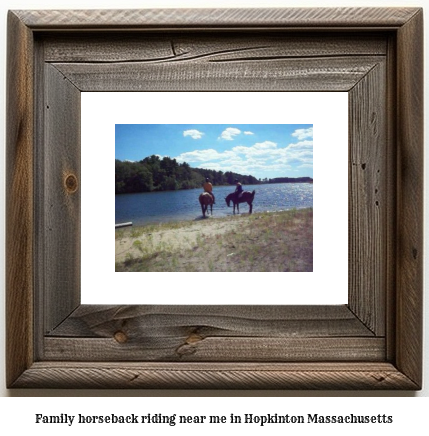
(260,150)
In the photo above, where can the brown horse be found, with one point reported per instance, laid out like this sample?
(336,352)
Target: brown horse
(245,197)
(206,200)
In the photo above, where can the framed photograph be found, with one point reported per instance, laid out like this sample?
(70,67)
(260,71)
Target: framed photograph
(173,61)
(169,234)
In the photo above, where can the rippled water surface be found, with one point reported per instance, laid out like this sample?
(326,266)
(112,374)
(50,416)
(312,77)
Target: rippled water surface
(157,207)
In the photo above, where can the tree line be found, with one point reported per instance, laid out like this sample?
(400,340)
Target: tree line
(166,174)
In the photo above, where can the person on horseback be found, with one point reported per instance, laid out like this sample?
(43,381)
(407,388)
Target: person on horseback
(208,187)
(238,189)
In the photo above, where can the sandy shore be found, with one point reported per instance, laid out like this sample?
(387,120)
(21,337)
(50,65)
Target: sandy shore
(182,236)
(278,241)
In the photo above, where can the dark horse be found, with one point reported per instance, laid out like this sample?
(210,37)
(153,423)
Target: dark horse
(206,200)
(245,197)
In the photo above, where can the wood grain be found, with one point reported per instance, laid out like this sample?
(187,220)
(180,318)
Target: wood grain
(99,321)
(391,192)
(19,200)
(368,203)
(178,347)
(213,333)
(301,74)
(378,376)
(174,46)
(410,199)
(288,18)
(61,186)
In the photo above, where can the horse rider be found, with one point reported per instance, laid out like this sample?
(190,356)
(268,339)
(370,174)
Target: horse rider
(208,187)
(238,189)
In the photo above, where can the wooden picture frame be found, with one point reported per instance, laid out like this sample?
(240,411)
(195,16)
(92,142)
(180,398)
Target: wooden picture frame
(373,342)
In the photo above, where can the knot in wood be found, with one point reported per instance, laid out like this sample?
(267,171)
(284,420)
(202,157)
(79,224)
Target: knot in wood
(120,337)
(71,183)
(193,338)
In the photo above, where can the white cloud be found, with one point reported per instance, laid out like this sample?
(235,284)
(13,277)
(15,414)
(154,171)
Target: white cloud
(199,156)
(258,149)
(193,133)
(299,153)
(248,133)
(262,157)
(303,133)
(229,133)
(264,145)
(302,145)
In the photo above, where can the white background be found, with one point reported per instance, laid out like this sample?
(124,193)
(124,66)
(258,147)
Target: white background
(18,413)
(327,284)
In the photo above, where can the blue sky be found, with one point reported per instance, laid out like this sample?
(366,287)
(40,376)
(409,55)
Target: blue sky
(261,150)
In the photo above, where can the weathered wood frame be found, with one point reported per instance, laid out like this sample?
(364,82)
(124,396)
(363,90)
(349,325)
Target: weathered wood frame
(374,342)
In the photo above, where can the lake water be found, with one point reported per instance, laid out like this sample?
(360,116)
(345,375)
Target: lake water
(159,207)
